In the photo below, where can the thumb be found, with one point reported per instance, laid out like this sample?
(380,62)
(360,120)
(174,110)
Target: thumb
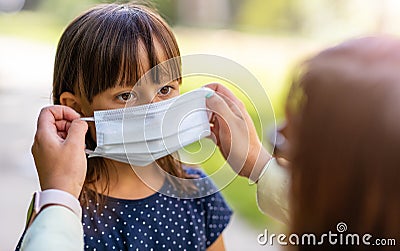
(219,107)
(76,133)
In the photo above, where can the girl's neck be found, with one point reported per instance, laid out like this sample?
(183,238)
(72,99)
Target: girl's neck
(131,182)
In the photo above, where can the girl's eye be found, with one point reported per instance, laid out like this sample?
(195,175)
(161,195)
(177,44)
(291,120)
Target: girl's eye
(126,96)
(165,90)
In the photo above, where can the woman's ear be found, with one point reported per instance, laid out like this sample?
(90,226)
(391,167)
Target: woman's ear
(71,100)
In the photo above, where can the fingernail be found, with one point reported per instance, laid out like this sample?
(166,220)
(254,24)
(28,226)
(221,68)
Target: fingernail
(209,95)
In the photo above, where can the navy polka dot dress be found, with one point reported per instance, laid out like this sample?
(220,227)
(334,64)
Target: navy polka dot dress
(158,222)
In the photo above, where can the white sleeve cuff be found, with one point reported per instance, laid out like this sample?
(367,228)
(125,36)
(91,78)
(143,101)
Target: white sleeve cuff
(273,191)
(55,228)
(57,197)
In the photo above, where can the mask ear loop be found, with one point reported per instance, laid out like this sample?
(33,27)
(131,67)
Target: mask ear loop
(87,151)
(88,119)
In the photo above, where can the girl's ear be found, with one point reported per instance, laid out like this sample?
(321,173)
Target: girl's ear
(70,100)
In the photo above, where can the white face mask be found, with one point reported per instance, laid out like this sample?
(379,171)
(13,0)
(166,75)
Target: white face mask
(140,135)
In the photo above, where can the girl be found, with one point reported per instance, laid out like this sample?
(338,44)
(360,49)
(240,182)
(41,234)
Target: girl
(100,57)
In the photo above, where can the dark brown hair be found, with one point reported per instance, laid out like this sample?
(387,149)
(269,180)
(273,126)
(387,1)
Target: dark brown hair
(344,114)
(99,50)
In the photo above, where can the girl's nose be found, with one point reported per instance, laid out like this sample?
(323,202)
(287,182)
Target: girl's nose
(147,97)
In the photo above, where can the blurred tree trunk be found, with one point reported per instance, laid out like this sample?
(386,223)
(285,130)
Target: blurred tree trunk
(31,4)
(205,13)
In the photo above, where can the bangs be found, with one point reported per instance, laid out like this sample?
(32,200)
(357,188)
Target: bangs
(122,38)
(147,64)
(164,62)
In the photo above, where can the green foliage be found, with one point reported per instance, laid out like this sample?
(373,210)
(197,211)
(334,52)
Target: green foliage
(270,15)
(64,11)
(168,9)
(50,17)
(28,24)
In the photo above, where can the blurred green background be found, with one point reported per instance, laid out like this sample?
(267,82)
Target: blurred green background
(268,37)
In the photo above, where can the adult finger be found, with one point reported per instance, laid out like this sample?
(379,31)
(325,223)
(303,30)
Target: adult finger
(47,131)
(220,89)
(214,136)
(49,115)
(57,112)
(231,100)
(62,125)
(61,112)
(219,107)
(76,133)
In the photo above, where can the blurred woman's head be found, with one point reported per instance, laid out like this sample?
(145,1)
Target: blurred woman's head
(344,123)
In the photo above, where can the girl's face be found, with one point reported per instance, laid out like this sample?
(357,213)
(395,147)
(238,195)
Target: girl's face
(143,93)
(119,96)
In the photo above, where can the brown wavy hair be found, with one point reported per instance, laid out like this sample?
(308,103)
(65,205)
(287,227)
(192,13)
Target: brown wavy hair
(344,118)
(99,50)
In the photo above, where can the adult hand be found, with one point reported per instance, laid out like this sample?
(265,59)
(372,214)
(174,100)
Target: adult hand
(59,149)
(235,133)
